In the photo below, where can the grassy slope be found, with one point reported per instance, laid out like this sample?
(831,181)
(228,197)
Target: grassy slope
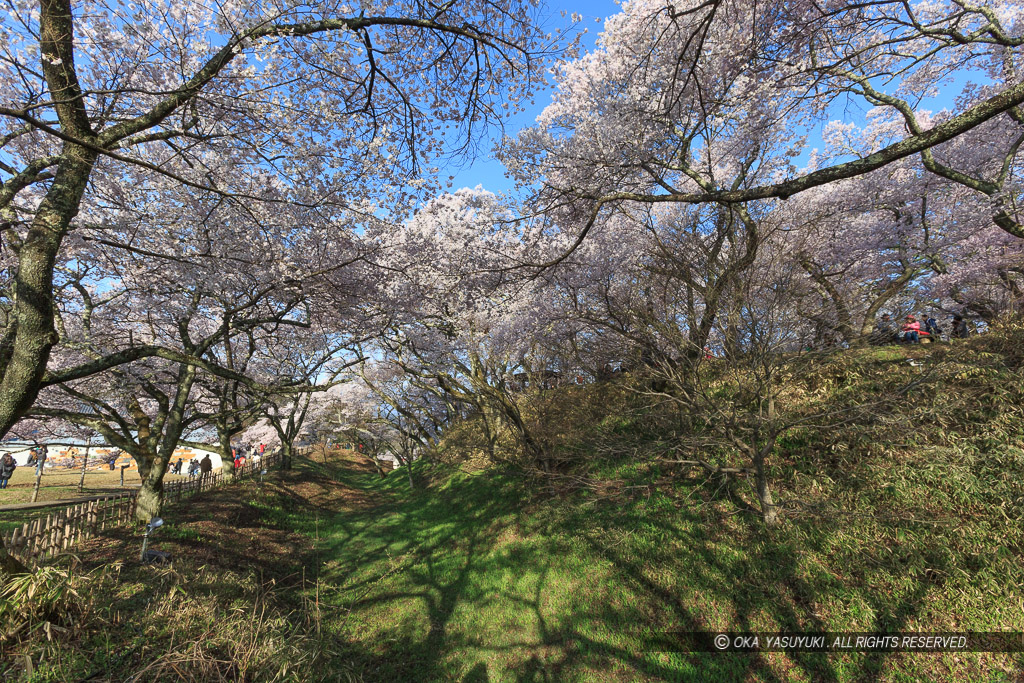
(330,573)
(464,581)
(917,529)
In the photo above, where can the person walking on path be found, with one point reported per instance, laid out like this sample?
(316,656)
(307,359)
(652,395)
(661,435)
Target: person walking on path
(7,467)
(205,466)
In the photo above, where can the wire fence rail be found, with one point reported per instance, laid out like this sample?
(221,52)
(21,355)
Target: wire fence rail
(62,529)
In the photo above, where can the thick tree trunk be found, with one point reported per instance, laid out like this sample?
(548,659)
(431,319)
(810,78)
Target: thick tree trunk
(151,496)
(153,460)
(31,333)
(287,450)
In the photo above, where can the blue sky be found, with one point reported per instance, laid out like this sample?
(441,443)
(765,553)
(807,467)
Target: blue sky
(484,169)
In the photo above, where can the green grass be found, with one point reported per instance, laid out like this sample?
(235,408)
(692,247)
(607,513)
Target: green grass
(62,484)
(474,581)
(914,522)
(478,578)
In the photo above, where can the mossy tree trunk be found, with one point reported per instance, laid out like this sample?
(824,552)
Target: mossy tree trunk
(150,501)
(288,425)
(30,333)
(287,453)
(224,440)
(161,444)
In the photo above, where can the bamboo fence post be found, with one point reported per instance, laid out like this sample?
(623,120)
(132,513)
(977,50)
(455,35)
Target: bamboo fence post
(48,533)
(36,531)
(13,542)
(65,541)
(75,525)
(28,551)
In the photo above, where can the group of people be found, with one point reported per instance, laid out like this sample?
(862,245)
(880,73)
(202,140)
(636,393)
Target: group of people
(915,328)
(36,458)
(254,452)
(195,466)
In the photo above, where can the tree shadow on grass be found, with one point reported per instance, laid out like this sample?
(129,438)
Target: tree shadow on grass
(471,580)
(434,587)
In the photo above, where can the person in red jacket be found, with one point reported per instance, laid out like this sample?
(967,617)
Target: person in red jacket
(912,330)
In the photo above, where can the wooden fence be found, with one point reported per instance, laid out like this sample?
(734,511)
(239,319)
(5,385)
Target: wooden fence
(182,489)
(58,531)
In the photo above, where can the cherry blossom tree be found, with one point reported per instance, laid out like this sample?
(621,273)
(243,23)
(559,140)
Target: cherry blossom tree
(459,318)
(146,407)
(675,94)
(233,101)
(416,412)
(293,415)
(209,325)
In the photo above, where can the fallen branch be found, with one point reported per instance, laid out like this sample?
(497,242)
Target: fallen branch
(714,469)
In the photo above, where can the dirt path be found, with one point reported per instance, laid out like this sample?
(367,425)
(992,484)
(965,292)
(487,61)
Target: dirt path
(269,527)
